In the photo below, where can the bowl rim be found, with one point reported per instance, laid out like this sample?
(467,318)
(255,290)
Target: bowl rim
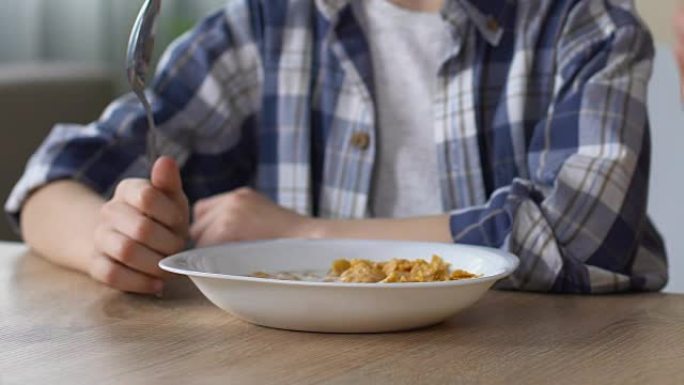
(169,264)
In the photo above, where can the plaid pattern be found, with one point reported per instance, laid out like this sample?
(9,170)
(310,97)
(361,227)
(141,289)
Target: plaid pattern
(541,129)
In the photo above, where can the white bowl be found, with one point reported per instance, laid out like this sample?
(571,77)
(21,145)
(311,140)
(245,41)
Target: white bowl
(220,273)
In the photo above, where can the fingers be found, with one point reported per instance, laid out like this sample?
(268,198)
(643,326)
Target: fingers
(150,201)
(129,253)
(144,222)
(206,212)
(204,206)
(120,277)
(201,224)
(209,230)
(219,219)
(213,217)
(128,221)
(214,234)
(233,198)
(166,177)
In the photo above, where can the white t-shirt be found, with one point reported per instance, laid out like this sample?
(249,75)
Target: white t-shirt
(406,50)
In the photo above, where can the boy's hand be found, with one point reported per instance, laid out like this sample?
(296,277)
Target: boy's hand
(144,222)
(244,215)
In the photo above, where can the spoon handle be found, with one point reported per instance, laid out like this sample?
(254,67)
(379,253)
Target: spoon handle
(138,59)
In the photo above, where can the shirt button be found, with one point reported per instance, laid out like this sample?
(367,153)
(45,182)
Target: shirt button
(492,24)
(360,140)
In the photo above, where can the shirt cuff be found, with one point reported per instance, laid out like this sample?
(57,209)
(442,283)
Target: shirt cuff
(491,224)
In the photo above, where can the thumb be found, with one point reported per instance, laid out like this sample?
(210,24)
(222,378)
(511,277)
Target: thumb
(166,177)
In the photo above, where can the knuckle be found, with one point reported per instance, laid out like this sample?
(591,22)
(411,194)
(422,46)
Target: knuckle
(143,229)
(195,215)
(230,205)
(147,196)
(106,210)
(237,199)
(242,193)
(120,188)
(199,206)
(123,186)
(111,274)
(127,250)
(99,238)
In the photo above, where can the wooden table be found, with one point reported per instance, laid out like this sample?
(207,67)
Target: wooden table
(57,327)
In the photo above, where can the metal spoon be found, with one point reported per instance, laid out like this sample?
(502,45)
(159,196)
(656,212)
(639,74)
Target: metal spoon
(138,58)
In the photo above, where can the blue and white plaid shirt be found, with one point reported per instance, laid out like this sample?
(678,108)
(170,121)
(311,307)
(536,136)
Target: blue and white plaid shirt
(540,126)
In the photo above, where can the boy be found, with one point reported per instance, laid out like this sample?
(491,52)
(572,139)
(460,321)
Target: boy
(511,124)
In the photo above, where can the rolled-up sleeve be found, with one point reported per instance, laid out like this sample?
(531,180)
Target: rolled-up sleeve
(579,223)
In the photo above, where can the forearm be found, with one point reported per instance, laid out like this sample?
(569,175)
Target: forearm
(58,222)
(425,229)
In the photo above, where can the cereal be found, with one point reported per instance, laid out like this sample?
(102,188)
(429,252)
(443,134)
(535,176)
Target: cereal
(398,270)
(393,271)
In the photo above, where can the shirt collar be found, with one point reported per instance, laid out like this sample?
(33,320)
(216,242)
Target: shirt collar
(488,16)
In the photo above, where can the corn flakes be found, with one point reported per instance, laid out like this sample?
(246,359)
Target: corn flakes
(365,271)
(395,270)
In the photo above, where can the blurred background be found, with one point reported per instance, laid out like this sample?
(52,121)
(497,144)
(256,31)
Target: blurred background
(88,32)
(62,61)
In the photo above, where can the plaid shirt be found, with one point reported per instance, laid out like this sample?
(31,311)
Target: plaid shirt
(540,127)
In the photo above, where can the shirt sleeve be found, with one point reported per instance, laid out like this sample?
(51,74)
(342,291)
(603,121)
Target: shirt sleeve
(206,86)
(579,223)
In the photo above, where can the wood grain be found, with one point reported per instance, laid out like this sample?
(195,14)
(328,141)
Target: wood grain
(58,327)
